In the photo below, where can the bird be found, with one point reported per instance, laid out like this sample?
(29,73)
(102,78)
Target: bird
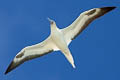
(59,39)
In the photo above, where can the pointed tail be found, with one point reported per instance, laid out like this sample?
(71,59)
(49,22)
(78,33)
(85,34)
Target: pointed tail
(69,57)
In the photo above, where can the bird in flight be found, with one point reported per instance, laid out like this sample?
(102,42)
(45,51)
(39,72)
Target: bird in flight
(59,39)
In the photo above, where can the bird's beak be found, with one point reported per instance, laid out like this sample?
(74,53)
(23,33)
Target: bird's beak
(49,20)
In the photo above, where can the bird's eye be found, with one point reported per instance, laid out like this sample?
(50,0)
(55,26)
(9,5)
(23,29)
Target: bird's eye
(52,22)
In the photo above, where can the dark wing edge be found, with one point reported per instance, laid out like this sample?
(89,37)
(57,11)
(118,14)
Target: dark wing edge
(14,64)
(103,11)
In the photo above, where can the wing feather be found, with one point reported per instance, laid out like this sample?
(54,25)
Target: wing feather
(85,18)
(31,52)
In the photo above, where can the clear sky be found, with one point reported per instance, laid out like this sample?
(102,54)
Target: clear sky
(96,50)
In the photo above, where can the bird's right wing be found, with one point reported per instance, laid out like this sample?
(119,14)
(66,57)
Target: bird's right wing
(32,52)
(85,18)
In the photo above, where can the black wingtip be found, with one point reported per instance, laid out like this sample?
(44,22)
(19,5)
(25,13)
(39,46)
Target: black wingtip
(108,8)
(6,72)
(10,67)
(113,7)
(13,65)
(105,10)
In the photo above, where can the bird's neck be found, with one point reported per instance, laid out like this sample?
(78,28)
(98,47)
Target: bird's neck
(54,28)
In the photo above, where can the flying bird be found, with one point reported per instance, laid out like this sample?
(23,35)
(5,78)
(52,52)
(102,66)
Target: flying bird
(59,39)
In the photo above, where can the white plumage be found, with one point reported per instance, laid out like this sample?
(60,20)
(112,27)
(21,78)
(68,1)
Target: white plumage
(59,39)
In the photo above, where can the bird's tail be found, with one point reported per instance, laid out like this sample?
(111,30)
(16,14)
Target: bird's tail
(69,57)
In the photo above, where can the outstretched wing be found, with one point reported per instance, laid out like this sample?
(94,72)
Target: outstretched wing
(31,52)
(85,18)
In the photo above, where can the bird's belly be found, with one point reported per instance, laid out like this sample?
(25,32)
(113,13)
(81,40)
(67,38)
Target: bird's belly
(59,40)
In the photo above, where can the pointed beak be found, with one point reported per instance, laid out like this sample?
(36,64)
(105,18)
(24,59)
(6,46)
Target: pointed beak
(51,21)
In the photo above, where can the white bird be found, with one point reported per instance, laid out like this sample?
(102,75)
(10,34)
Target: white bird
(59,39)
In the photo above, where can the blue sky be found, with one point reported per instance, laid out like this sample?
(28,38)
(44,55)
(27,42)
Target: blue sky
(96,50)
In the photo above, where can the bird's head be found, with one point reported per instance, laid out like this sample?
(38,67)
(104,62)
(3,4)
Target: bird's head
(52,22)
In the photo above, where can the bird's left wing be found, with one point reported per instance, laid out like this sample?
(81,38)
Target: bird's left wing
(82,22)
(31,52)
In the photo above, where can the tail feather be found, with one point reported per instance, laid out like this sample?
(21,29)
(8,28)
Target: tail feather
(69,57)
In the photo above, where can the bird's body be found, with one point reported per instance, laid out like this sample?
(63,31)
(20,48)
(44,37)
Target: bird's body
(59,39)
(60,42)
